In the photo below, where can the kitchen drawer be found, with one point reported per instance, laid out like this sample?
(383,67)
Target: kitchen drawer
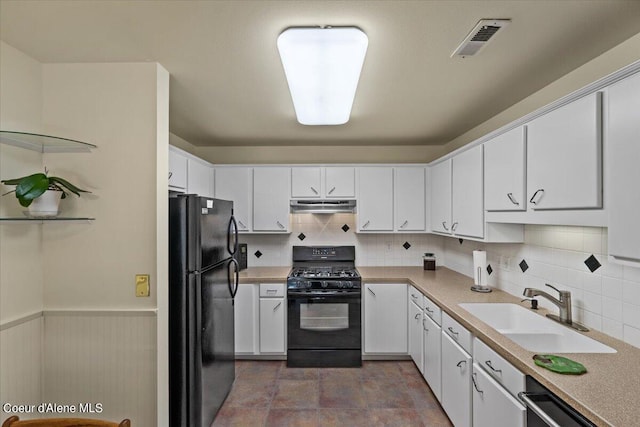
(271,290)
(457,332)
(433,311)
(416,297)
(498,368)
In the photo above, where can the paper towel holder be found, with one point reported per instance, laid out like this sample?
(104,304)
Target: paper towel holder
(479,288)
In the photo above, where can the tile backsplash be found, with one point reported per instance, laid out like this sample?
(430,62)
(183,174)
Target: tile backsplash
(336,230)
(606,299)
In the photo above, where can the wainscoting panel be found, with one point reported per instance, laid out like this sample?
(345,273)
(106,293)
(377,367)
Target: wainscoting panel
(103,357)
(21,363)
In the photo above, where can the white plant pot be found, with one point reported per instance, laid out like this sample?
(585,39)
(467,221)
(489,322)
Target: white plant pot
(45,205)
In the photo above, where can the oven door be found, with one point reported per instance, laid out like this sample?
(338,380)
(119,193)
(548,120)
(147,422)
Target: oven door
(324,320)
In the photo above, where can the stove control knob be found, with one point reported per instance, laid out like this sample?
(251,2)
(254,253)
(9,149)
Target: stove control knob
(349,285)
(324,284)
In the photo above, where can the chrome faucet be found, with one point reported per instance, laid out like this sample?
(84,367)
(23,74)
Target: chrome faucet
(563,303)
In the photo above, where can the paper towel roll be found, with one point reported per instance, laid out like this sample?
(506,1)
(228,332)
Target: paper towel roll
(480,268)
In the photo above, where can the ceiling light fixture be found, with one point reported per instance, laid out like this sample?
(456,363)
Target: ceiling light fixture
(322,66)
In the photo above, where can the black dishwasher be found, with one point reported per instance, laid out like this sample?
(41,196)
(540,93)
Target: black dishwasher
(546,409)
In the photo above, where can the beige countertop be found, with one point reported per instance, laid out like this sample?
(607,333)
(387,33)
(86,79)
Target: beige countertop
(608,394)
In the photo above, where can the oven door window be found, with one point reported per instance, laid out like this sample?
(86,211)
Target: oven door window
(324,317)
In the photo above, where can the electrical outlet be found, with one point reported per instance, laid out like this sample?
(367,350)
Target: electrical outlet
(142,285)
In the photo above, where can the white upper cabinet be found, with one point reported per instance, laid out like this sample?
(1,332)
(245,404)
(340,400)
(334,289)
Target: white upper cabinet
(504,171)
(271,190)
(199,178)
(441,197)
(306,182)
(623,131)
(177,171)
(409,184)
(234,183)
(467,194)
(335,182)
(375,199)
(340,182)
(564,156)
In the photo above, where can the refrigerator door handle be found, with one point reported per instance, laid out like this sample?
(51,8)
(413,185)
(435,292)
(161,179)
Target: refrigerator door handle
(232,233)
(233,287)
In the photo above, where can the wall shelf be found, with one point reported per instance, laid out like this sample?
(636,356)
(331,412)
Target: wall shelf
(44,143)
(45,220)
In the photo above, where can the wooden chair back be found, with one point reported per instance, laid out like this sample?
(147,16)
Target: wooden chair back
(63,422)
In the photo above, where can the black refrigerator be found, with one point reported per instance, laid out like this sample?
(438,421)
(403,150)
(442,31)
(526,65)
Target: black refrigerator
(203,280)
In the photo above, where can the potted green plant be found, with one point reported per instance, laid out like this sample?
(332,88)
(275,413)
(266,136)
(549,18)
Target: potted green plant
(41,193)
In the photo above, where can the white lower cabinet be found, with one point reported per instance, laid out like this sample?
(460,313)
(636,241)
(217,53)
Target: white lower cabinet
(246,319)
(385,318)
(456,382)
(415,335)
(493,406)
(272,325)
(432,368)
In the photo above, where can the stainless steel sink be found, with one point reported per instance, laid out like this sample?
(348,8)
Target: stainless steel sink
(532,331)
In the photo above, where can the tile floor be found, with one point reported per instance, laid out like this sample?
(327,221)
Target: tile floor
(267,393)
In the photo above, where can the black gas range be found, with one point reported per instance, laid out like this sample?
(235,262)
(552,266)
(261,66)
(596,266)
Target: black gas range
(324,298)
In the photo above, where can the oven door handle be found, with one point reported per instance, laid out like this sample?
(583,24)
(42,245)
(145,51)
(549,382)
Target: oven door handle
(324,295)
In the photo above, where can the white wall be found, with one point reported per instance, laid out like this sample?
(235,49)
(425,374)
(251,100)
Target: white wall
(21,279)
(90,268)
(91,339)
(607,299)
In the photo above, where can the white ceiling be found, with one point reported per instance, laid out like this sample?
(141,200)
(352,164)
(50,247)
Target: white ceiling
(227,83)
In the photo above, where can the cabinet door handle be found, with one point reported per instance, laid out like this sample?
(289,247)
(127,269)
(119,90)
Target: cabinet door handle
(277,306)
(314,190)
(475,385)
(280,225)
(510,196)
(459,364)
(450,329)
(366,224)
(417,316)
(372,293)
(488,363)
(404,224)
(454,225)
(423,325)
(444,225)
(170,175)
(534,196)
(332,190)
(241,224)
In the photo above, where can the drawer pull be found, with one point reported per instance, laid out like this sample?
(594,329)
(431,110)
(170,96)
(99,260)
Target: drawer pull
(488,363)
(450,329)
(272,291)
(428,310)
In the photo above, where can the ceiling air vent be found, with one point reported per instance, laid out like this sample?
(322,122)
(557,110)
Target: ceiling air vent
(484,30)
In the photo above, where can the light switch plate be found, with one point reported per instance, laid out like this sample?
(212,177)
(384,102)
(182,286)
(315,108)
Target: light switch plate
(142,285)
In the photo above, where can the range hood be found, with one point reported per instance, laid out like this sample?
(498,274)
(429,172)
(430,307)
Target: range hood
(323,206)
